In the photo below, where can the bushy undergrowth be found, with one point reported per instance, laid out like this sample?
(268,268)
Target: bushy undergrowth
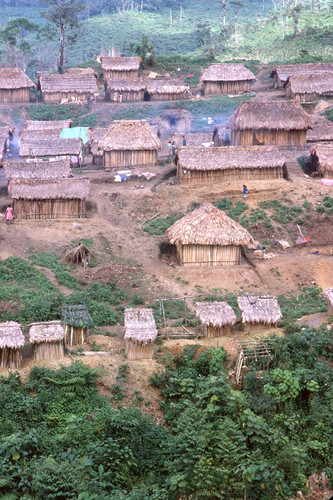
(79,115)
(306,300)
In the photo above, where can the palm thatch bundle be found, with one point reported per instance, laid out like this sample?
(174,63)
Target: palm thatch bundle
(193,140)
(14,78)
(130,135)
(37,135)
(281,73)
(227,72)
(305,88)
(79,254)
(322,132)
(47,124)
(68,83)
(262,310)
(51,147)
(47,340)
(37,170)
(49,189)
(140,333)
(216,317)
(321,159)
(329,293)
(77,320)
(120,63)
(11,343)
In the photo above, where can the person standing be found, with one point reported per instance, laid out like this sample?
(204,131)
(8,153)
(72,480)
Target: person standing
(245,191)
(9,214)
(170,148)
(184,140)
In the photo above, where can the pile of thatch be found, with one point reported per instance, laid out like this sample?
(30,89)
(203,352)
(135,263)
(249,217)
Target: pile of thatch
(11,341)
(37,170)
(125,135)
(270,115)
(140,325)
(322,131)
(234,157)
(259,309)
(215,314)
(72,188)
(120,63)
(47,124)
(283,72)
(196,139)
(78,254)
(50,331)
(79,83)
(76,315)
(227,72)
(40,135)
(129,85)
(14,78)
(323,156)
(315,84)
(207,225)
(52,147)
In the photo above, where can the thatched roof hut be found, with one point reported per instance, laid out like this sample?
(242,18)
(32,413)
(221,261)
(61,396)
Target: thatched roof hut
(123,68)
(37,170)
(198,165)
(161,90)
(194,139)
(208,237)
(95,136)
(130,143)
(321,160)
(329,293)
(40,135)
(15,85)
(309,88)
(67,87)
(79,254)
(49,199)
(227,78)
(281,73)
(259,310)
(47,340)
(11,343)
(47,124)
(216,317)
(322,132)
(52,148)
(130,90)
(260,123)
(77,320)
(140,333)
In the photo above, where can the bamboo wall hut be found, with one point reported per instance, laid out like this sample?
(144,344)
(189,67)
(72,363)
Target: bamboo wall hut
(68,87)
(77,321)
(208,237)
(130,144)
(47,124)
(216,318)
(225,78)
(259,312)
(198,165)
(58,169)
(120,68)
(322,132)
(221,136)
(95,136)
(47,340)
(130,90)
(281,73)
(157,90)
(53,148)
(11,343)
(309,88)
(15,85)
(329,293)
(257,123)
(49,199)
(140,333)
(321,160)
(194,139)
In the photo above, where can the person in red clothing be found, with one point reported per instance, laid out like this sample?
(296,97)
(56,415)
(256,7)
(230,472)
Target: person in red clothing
(9,214)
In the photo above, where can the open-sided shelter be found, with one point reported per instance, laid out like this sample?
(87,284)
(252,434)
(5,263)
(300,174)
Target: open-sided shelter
(95,136)
(47,340)
(140,333)
(259,311)
(282,72)
(11,343)
(208,237)
(216,318)
(47,124)
(53,148)
(15,85)
(129,90)
(37,170)
(49,199)
(321,160)
(130,143)
(67,87)
(77,320)
(258,123)
(329,293)
(198,165)
(309,88)
(157,90)
(120,68)
(322,132)
(227,78)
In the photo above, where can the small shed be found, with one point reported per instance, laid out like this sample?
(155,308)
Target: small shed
(129,90)
(49,199)
(193,139)
(236,163)
(95,136)
(140,333)
(11,343)
(282,72)
(321,160)
(309,88)
(47,124)
(216,317)
(329,293)
(157,90)
(77,320)
(259,123)
(227,78)
(79,254)
(47,340)
(322,132)
(221,136)
(259,312)
(120,68)
(53,148)
(68,87)
(15,85)
(130,144)
(208,237)
(58,169)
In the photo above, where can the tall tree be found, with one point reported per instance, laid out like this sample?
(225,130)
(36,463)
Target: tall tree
(237,5)
(224,6)
(63,18)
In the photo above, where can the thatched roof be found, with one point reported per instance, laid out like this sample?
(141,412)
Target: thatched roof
(125,85)
(216,314)
(140,325)
(132,135)
(96,135)
(37,170)
(324,153)
(284,71)
(81,83)
(76,315)
(322,131)
(78,254)
(163,87)
(271,115)
(319,83)
(37,135)
(263,309)
(227,72)
(47,124)
(224,158)
(14,78)
(120,63)
(192,139)
(11,335)
(207,225)
(51,331)
(51,147)
(329,293)
(69,189)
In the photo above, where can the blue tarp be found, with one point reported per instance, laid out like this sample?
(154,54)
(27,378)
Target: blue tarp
(73,133)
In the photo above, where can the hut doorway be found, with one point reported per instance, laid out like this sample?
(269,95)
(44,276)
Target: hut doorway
(146,96)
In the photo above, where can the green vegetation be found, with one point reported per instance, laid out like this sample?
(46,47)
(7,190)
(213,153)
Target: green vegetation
(80,116)
(307,300)
(161,224)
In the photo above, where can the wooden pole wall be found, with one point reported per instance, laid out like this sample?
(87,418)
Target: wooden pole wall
(130,159)
(49,209)
(234,174)
(209,255)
